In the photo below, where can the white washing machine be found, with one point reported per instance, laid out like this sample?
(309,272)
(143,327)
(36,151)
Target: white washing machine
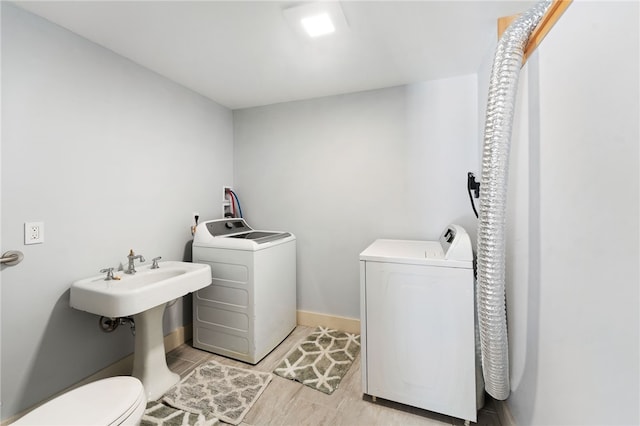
(250,306)
(418,324)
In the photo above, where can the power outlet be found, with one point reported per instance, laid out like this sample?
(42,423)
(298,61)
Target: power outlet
(34,232)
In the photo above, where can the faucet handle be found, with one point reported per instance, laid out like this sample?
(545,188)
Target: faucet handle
(109,272)
(155,262)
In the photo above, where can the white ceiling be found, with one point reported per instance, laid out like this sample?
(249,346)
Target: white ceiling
(242,54)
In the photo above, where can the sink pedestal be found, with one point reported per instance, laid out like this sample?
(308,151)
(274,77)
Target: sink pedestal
(149,360)
(143,295)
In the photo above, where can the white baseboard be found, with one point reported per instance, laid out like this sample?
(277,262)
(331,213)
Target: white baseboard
(314,319)
(122,367)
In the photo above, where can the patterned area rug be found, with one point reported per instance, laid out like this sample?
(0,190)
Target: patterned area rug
(158,414)
(218,391)
(321,360)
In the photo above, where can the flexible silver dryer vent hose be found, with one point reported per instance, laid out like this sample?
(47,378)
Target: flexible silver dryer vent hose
(491,227)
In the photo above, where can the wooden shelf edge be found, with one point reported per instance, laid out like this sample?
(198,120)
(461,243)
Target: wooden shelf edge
(547,22)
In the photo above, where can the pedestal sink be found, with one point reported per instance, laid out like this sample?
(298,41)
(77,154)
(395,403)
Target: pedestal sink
(143,296)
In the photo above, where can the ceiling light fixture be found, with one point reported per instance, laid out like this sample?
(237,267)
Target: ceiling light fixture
(318,25)
(316,19)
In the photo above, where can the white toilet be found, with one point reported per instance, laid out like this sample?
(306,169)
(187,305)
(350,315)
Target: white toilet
(114,401)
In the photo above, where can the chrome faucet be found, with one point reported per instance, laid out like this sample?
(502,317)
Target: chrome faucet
(131,268)
(155,262)
(109,272)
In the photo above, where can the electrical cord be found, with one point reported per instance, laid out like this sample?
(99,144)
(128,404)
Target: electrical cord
(472,184)
(473,206)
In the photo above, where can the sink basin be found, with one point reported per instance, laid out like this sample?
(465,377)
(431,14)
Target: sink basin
(139,292)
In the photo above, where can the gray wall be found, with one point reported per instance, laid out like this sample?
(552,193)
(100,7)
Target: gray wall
(573,247)
(110,156)
(342,171)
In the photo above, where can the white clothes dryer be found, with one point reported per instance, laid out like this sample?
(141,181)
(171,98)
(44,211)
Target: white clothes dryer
(418,324)
(250,306)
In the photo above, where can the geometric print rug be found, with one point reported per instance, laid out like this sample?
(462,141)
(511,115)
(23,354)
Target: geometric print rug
(158,414)
(321,360)
(218,391)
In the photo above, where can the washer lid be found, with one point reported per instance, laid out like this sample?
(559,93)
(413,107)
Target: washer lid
(234,233)
(104,402)
(261,237)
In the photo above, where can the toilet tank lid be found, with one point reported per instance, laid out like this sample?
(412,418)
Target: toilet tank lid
(103,402)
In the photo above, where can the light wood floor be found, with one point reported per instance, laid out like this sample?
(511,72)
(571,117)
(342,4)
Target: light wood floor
(286,402)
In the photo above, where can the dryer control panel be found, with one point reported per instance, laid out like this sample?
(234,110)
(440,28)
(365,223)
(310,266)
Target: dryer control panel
(455,243)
